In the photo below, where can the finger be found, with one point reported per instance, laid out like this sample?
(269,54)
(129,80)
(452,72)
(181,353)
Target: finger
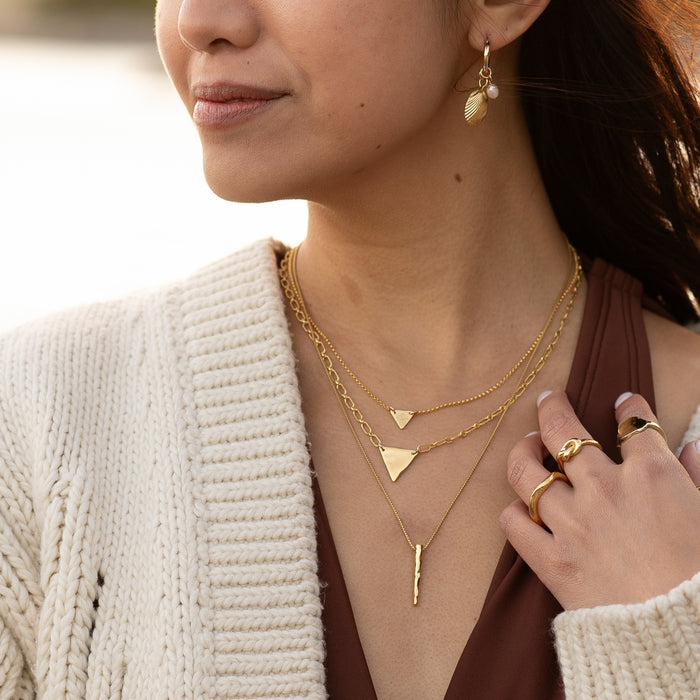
(558,425)
(529,540)
(690,459)
(526,473)
(629,406)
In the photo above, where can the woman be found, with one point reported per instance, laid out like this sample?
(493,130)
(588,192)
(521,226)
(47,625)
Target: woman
(160,524)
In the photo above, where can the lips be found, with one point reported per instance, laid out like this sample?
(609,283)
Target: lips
(222,92)
(222,104)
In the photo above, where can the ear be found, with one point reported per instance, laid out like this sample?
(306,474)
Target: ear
(502,21)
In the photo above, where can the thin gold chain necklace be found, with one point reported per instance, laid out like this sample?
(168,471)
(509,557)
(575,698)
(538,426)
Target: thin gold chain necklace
(398,459)
(419,549)
(403,416)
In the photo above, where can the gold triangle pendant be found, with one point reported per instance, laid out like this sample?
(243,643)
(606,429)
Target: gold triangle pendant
(402,417)
(397,460)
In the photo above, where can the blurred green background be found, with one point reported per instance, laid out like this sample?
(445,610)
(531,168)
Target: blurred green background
(87,20)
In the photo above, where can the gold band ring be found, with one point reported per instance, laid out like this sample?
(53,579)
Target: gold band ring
(635,425)
(571,448)
(539,490)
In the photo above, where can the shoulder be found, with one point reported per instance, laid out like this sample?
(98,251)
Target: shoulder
(675,357)
(82,352)
(62,370)
(249,272)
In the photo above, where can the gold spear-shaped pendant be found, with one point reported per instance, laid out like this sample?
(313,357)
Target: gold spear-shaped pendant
(416,572)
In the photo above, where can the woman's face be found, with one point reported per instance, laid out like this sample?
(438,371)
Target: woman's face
(292,97)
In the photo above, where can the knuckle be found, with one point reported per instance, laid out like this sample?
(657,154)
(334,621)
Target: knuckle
(635,405)
(517,465)
(507,518)
(645,471)
(603,488)
(562,563)
(556,424)
(650,470)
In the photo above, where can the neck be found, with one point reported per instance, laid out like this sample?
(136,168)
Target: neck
(422,257)
(435,306)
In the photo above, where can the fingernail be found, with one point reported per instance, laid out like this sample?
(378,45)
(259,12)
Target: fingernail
(542,397)
(535,432)
(697,446)
(622,398)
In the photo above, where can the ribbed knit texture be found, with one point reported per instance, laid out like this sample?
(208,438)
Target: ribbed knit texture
(648,651)
(258,531)
(156,516)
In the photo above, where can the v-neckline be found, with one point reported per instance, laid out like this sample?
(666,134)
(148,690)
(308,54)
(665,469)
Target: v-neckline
(506,561)
(611,290)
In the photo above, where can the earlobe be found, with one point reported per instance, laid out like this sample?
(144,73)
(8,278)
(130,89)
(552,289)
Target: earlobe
(502,21)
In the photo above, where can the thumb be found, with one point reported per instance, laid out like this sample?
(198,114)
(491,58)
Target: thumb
(690,459)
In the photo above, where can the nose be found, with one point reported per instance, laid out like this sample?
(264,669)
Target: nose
(204,25)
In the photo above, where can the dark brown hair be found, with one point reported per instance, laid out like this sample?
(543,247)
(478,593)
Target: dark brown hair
(613,115)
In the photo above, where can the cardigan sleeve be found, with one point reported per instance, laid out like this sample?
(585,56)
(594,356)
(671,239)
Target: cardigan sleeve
(648,650)
(20,594)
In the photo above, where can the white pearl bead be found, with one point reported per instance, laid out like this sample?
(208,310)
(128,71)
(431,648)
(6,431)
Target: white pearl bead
(492,91)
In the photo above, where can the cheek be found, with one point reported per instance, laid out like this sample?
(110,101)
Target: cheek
(391,71)
(171,49)
(377,119)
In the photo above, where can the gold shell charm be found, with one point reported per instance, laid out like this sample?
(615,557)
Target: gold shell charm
(476,107)
(477,103)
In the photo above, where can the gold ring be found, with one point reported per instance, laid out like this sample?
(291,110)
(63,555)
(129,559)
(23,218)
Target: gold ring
(539,490)
(635,425)
(571,448)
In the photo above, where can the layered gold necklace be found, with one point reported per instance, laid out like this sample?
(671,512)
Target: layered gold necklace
(419,549)
(403,416)
(398,459)
(292,292)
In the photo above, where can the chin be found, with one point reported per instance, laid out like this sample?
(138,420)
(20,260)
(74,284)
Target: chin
(240,184)
(238,192)
(266,175)
(254,173)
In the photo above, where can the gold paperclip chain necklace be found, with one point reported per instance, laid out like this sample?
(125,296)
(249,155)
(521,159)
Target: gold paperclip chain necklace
(398,459)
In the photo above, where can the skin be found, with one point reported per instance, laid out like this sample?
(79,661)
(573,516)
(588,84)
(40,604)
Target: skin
(431,247)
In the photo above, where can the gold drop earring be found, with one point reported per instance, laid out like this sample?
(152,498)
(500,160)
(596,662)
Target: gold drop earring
(476,105)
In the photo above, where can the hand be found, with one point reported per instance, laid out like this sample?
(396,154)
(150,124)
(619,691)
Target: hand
(619,533)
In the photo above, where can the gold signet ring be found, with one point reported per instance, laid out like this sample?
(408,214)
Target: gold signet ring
(539,490)
(571,448)
(635,425)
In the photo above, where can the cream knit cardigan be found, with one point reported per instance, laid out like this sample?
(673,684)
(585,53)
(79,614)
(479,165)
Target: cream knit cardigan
(156,515)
